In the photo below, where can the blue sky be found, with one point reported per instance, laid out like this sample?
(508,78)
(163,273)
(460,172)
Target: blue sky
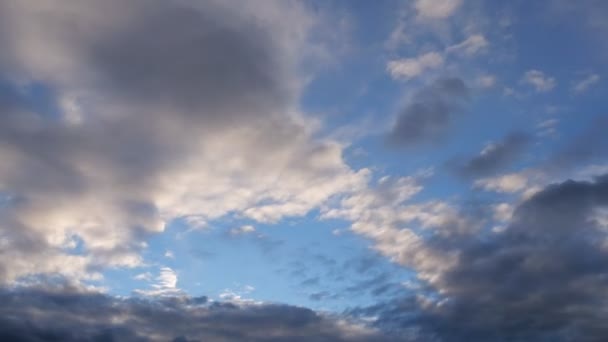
(378,163)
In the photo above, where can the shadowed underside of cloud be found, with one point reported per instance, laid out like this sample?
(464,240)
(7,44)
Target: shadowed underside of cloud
(30,315)
(428,114)
(494,157)
(544,278)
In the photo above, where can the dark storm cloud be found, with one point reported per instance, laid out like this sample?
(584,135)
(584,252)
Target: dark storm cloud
(545,278)
(495,157)
(67,315)
(429,112)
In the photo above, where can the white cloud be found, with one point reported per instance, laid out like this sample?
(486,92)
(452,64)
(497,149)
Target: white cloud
(548,127)
(586,83)
(239,295)
(147,276)
(165,284)
(247,229)
(382,213)
(538,80)
(470,46)
(437,9)
(509,183)
(503,212)
(486,81)
(408,68)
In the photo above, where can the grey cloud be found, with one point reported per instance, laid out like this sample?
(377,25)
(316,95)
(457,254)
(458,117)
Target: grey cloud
(68,315)
(122,122)
(590,145)
(495,157)
(545,278)
(429,113)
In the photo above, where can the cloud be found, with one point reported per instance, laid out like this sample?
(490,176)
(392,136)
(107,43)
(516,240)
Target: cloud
(538,80)
(542,277)
(67,315)
(548,127)
(586,83)
(508,183)
(408,68)
(486,81)
(470,46)
(437,9)
(495,156)
(247,229)
(165,285)
(429,112)
(139,100)
(590,145)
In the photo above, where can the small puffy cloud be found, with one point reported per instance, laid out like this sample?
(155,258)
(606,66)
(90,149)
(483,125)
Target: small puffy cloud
(509,183)
(437,9)
(408,68)
(486,81)
(243,230)
(538,80)
(165,283)
(470,46)
(429,112)
(583,85)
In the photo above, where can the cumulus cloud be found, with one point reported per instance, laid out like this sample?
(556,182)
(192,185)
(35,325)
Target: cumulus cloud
(408,68)
(429,112)
(542,277)
(165,283)
(495,156)
(139,100)
(538,80)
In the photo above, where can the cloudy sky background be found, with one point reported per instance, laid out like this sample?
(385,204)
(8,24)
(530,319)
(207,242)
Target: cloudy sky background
(196,170)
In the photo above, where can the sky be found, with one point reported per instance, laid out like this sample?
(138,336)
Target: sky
(303,170)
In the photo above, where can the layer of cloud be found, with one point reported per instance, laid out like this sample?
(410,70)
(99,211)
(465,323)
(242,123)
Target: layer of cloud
(69,315)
